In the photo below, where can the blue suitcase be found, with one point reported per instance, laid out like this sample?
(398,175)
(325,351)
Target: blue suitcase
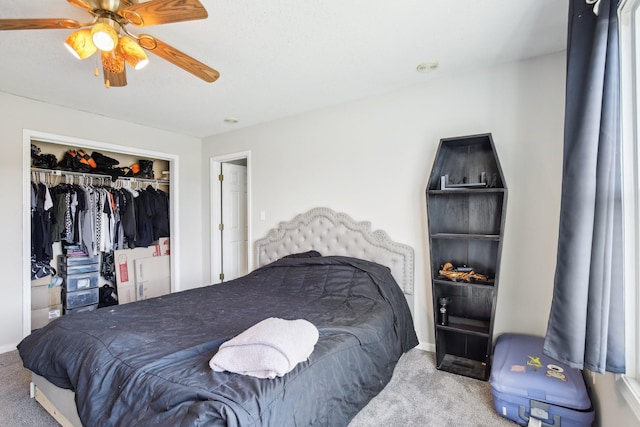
(527,384)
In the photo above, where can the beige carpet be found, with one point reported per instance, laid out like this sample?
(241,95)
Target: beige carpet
(17,409)
(420,395)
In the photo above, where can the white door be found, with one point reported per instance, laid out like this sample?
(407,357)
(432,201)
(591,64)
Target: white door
(234,221)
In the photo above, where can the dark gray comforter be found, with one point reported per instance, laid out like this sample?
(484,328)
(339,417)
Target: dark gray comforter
(146,363)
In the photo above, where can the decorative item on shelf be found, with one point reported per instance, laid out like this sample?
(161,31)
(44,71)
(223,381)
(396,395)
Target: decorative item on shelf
(493,181)
(444,315)
(465,274)
(446,184)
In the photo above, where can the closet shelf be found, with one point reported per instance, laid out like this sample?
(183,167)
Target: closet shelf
(487,285)
(467,326)
(478,236)
(463,191)
(58,172)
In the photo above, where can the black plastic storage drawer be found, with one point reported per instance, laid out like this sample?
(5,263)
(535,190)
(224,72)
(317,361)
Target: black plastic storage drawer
(78,282)
(80,298)
(79,268)
(78,260)
(80,309)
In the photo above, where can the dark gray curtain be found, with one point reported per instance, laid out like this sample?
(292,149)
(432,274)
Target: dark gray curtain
(586,323)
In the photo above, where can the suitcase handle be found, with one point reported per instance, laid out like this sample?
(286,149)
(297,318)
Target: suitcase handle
(540,412)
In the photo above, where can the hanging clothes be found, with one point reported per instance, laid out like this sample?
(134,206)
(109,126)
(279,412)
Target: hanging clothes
(161,218)
(41,223)
(128,217)
(146,207)
(100,219)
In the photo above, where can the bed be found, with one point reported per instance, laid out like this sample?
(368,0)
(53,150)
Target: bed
(147,363)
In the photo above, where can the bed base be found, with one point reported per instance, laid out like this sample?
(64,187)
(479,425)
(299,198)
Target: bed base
(58,402)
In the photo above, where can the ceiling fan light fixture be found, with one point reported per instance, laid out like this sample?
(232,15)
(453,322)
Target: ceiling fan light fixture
(132,53)
(80,44)
(108,22)
(104,36)
(112,61)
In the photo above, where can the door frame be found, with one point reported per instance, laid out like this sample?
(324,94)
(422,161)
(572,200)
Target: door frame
(214,193)
(27,137)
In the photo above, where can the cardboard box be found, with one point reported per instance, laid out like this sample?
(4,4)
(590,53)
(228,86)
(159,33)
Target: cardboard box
(41,281)
(41,317)
(126,294)
(153,277)
(125,258)
(43,296)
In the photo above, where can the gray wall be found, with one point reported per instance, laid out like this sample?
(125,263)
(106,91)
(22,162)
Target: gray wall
(372,158)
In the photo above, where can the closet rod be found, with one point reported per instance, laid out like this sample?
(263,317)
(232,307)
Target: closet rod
(58,172)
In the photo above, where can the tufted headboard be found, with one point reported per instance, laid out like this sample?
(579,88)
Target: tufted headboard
(332,233)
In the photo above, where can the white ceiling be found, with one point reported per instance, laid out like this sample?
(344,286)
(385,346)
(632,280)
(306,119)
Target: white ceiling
(278,58)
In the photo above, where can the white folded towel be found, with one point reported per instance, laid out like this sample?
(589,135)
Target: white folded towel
(268,349)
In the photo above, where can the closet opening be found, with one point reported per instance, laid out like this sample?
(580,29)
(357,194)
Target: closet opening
(89,250)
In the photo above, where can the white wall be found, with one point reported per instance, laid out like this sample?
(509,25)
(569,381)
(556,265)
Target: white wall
(372,158)
(20,113)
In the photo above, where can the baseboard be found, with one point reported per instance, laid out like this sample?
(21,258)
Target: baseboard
(7,348)
(426,347)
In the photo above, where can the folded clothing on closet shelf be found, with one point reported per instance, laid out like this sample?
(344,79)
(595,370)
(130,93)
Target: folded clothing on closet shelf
(103,161)
(45,161)
(40,269)
(77,161)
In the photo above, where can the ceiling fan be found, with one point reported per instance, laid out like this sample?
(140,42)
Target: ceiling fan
(107,34)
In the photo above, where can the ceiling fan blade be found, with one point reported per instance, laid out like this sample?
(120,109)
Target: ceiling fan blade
(38,24)
(155,12)
(112,79)
(178,58)
(83,4)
